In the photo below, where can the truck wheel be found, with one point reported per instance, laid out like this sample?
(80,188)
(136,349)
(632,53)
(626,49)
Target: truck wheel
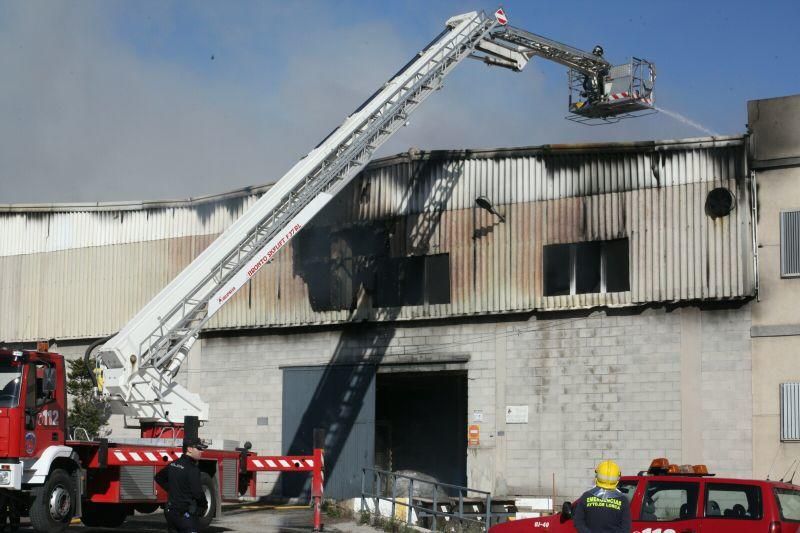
(209,486)
(53,503)
(103,514)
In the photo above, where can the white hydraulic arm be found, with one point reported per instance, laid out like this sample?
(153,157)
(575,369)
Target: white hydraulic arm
(137,366)
(512,48)
(139,363)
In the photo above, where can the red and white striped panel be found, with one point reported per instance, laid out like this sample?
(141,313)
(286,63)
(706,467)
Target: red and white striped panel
(619,96)
(627,95)
(281,464)
(128,457)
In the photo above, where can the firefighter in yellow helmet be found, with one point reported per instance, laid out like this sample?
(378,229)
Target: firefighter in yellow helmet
(603,509)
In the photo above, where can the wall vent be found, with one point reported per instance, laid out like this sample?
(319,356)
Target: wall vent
(790,244)
(790,412)
(136,483)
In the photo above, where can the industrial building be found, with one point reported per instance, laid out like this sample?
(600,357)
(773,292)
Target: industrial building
(563,303)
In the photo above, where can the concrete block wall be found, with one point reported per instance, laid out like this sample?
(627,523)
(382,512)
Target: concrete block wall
(612,387)
(629,386)
(598,386)
(727,389)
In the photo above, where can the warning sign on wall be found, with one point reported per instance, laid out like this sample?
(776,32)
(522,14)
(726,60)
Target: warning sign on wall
(473,435)
(516,414)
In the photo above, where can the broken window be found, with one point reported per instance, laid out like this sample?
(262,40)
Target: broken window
(437,278)
(586,267)
(414,280)
(557,269)
(336,264)
(615,266)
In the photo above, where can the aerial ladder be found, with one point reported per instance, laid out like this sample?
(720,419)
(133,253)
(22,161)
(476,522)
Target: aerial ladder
(136,368)
(52,476)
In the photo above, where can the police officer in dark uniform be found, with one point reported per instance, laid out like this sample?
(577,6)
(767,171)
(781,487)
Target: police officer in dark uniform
(603,509)
(181,479)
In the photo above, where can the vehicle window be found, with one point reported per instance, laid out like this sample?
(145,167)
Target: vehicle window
(43,395)
(628,488)
(739,502)
(666,501)
(10,378)
(789,504)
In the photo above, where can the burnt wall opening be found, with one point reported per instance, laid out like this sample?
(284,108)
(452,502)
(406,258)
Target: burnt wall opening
(421,424)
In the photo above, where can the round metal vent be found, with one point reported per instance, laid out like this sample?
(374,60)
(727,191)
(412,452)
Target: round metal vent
(720,202)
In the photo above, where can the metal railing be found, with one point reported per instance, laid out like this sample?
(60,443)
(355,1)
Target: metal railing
(381,485)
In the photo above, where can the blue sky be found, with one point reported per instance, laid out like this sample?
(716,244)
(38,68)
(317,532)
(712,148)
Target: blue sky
(110,100)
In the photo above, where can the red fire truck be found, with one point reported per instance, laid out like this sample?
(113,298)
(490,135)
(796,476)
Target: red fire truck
(53,478)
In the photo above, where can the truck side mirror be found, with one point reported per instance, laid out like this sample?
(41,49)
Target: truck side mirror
(566,510)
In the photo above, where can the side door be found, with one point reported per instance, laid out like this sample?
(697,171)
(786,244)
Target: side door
(668,507)
(44,414)
(731,507)
(341,400)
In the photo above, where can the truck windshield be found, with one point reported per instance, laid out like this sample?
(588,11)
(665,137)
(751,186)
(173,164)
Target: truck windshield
(10,378)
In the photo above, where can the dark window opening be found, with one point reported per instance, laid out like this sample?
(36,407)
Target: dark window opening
(414,280)
(437,278)
(45,384)
(337,264)
(312,244)
(557,268)
(616,269)
(586,267)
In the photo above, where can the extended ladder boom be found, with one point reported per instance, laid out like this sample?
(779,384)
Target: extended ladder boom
(512,48)
(138,365)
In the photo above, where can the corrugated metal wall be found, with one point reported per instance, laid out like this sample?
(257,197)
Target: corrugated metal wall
(73,274)
(33,229)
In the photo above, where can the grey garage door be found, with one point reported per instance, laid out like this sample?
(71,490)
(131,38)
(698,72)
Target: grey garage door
(341,400)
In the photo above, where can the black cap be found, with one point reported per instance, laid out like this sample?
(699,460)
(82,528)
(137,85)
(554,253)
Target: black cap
(194,443)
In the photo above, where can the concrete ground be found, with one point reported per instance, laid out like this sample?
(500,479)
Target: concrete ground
(254,519)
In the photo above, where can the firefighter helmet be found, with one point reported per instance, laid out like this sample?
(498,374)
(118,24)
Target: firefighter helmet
(607,475)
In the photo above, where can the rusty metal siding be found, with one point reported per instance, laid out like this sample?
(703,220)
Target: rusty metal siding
(84,273)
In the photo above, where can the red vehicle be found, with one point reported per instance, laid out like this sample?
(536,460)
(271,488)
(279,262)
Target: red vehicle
(47,476)
(684,499)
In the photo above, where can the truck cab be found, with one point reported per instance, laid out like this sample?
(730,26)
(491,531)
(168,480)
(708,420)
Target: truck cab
(32,410)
